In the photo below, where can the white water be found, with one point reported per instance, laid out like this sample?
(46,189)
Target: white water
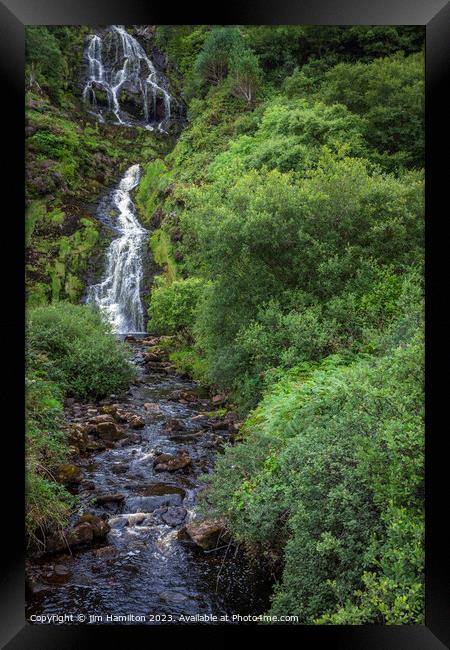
(117,61)
(118,295)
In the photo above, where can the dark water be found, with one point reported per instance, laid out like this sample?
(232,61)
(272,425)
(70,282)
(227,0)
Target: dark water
(145,570)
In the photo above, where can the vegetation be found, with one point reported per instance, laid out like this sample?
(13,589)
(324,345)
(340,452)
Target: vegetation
(287,222)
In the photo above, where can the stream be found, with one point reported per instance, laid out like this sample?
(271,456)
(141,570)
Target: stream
(144,567)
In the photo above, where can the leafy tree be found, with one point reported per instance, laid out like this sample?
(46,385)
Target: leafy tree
(213,62)
(245,75)
(45,62)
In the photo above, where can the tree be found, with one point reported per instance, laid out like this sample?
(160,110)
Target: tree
(213,61)
(245,75)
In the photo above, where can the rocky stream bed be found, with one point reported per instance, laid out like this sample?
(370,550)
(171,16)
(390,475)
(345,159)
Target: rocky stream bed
(138,547)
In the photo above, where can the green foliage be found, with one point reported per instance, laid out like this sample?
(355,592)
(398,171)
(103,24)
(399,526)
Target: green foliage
(161,247)
(388,93)
(155,180)
(173,307)
(76,349)
(213,61)
(48,504)
(188,361)
(245,74)
(45,63)
(330,472)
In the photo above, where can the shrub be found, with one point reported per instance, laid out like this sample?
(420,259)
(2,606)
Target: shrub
(172,307)
(48,504)
(330,474)
(76,348)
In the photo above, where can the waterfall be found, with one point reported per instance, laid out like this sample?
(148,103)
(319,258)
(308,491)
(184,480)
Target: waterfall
(118,295)
(122,81)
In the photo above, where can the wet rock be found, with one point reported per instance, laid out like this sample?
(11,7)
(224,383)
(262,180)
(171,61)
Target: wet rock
(119,468)
(186,437)
(172,597)
(106,551)
(204,534)
(109,431)
(175,425)
(87,485)
(77,437)
(99,526)
(150,406)
(169,463)
(99,419)
(57,575)
(109,498)
(95,445)
(77,536)
(174,516)
(136,422)
(136,519)
(69,474)
(149,504)
(160,489)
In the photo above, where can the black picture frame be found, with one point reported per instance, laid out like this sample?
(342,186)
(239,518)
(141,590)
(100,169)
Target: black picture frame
(15,633)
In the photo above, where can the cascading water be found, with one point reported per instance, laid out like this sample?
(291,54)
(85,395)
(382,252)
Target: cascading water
(118,295)
(122,81)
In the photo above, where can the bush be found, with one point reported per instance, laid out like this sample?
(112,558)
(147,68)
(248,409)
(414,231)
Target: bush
(173,307)
(46,64)
(48,504)
(77,350)
(330,474)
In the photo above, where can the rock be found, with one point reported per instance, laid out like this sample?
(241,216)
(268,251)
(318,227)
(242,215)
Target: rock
(99,526)
(81,534)
(175,425)
(87,485)
(109,431)
(106,551)
(186,437)
(98,419)
(169,463)
(57,575)
(149,504)
(136,422)
(95,445)
(109,498)
(204,534)
(172,597)
(160,489)
(217,400)
(174,516)
(150,406)
(69,474)
(119,468)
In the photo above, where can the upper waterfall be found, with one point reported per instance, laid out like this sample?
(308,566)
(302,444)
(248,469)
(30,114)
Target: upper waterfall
(122,83)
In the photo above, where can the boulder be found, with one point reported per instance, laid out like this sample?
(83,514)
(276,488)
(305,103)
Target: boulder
(204,534)
(69,474)
(174,516)
(109,498)
(160,489)
(149,504)
(150,406)
(108,431)
(136,422)
(57,575)
(99,526)
(170,463)
(175,425)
